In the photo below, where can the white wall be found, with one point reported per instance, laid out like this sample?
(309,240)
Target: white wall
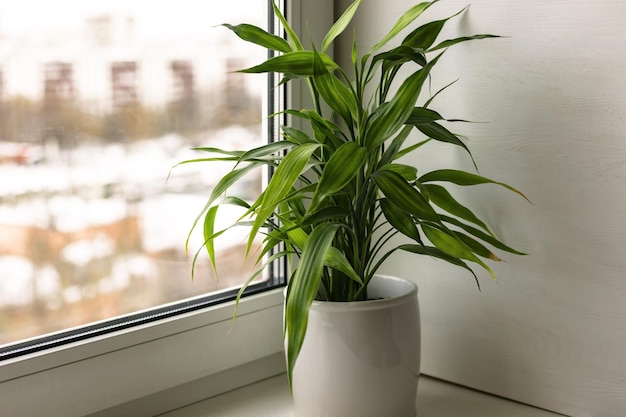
(553,331)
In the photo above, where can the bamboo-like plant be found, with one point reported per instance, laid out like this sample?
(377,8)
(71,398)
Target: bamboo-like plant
(338,194)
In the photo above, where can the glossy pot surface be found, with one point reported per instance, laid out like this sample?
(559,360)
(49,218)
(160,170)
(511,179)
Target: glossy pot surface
(361,358)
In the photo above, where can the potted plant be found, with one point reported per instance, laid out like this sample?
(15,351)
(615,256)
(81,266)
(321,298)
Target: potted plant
(339,193)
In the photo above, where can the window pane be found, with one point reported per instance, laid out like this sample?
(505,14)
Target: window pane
(98,100)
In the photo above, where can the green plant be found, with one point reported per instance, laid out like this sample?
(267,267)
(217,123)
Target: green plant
(338,195)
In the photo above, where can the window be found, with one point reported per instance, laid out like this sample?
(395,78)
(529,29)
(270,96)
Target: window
(190,356)
(97,101)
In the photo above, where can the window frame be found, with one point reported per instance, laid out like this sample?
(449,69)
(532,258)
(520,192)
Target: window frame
(201,348)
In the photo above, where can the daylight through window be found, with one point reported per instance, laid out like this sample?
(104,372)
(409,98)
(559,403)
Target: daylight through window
(98,100)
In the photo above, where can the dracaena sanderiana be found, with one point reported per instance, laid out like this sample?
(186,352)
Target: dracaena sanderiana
(338,194)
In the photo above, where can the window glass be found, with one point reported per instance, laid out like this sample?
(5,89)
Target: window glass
(98,100)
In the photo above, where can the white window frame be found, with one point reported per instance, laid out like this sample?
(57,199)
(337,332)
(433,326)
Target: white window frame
(155,367)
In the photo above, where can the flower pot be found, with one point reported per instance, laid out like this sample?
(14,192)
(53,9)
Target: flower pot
(361,359)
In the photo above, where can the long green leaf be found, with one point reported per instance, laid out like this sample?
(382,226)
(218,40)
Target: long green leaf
(481,235)
(400,55)
(323,215)
(394,146)
(422,115)
(453,246)
(400,193)
(254,34)
(437,132)
(235,201)
(324,129)
(395,113)
(448,43)
(212,237)
(296,136)
(232,156)
(476,247)
(340,169)
(409,149)
(463,178)
(441,90)
(209,231)
(281,183)
(298,63)
(196,160)
(406,19)
(400,219)
(424,36)
(337,260)
(303,288)
(436,253)
(355,56)
(340,25)
(228,180)
(408,172)
(292,38)
(265,150)
(442,197)
(220,188)
(219,151)
(252,277)
(335,93)
(296,235)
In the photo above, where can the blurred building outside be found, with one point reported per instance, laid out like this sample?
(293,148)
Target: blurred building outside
(91,121)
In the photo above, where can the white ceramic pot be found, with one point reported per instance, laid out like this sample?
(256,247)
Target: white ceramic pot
(361,359)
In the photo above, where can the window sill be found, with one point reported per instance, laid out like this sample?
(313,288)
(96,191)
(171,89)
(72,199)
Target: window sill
(435,399)
(128,366)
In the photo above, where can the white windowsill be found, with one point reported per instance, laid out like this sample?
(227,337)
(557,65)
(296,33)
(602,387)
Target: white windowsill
(270,398)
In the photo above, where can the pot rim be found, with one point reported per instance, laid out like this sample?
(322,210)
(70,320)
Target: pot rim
(347,306)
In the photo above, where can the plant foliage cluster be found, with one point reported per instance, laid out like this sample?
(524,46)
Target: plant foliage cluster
(338,193)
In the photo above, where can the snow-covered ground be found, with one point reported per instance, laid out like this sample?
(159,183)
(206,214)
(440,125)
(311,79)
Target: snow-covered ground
(112,182)
(83,196)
